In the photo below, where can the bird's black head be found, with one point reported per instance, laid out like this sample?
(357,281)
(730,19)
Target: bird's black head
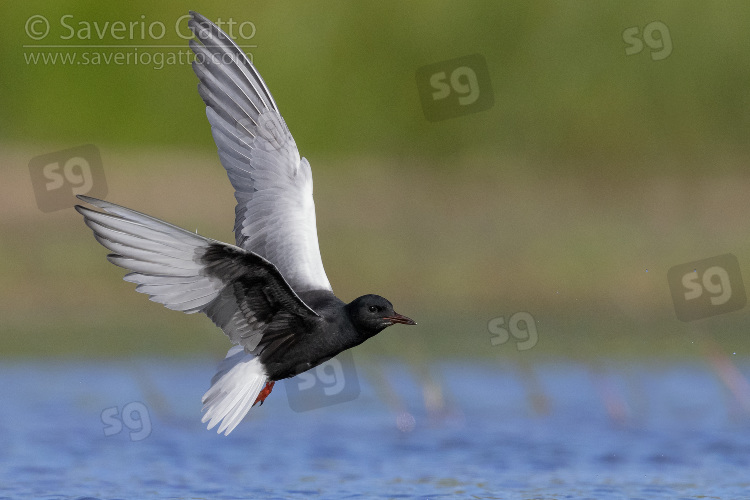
(372,313)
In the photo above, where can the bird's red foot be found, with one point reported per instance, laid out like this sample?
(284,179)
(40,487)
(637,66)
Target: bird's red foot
(264,393)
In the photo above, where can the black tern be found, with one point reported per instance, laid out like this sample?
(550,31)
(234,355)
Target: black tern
(269,293)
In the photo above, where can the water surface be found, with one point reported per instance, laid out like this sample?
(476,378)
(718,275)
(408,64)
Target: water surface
(561,430)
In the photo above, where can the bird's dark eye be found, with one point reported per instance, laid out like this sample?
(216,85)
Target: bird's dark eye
(373,309)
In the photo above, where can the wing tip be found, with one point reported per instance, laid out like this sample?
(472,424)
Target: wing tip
(91,201)
(116,258)
(204,29)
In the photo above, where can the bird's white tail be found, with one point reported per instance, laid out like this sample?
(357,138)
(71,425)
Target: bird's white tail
(234,389)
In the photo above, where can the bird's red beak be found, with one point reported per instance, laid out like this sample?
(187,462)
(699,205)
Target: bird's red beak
(398,318)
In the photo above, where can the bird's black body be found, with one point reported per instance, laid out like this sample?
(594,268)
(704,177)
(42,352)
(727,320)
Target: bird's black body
(301,330)
(325,336)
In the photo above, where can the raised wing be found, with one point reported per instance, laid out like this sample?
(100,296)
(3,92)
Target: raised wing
(275,213)
(241,292)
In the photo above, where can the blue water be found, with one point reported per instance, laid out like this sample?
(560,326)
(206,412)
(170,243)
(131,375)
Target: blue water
(561,430)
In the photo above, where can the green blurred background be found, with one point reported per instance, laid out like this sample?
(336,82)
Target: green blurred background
(593,173)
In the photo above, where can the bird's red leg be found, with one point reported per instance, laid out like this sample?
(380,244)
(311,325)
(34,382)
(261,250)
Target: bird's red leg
(264,393)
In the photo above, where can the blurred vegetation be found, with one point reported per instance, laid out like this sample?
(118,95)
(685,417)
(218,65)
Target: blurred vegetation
(592,175)
(567,96)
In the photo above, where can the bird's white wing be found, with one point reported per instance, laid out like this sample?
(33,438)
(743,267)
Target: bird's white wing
(242,293)
(275,213)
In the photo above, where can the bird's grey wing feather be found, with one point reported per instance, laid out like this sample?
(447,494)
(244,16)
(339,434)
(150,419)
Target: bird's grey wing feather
(240,291)
(275,212)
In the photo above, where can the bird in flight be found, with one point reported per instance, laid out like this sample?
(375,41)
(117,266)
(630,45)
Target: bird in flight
(269,293)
